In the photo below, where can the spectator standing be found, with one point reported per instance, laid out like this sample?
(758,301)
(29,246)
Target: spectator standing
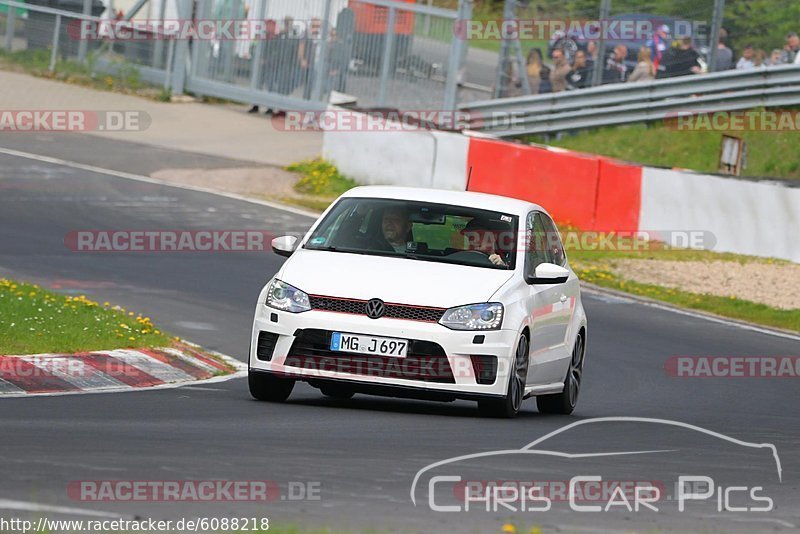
(760,58)
(681,59)
(558,76)
(581,75)
(724,57)
(791,48)
(307,53)
(645,70)
(616,71)
(591,50)
(544,81)
(268,67)
(533,68)
(658,44)
(746,61)
(775,57)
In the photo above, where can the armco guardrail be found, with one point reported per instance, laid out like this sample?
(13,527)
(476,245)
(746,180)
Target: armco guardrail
(610,105)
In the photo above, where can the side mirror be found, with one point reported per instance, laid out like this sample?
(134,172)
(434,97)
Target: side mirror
(548,273)
(284,246)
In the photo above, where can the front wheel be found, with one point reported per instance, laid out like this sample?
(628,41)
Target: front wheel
(268,387)
(509,406)
(564,403)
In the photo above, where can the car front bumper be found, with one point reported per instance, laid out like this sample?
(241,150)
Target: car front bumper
(441,361)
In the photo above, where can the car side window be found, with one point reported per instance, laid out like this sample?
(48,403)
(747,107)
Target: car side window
(555,248)
(536,252)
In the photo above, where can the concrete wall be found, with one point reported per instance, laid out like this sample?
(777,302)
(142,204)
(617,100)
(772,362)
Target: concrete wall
(589,192)
(746,217)
(411,158)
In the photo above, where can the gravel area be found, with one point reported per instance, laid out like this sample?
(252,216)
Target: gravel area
(272,182)
(774,284)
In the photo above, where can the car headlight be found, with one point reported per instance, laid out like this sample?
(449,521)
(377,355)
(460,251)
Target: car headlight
(486,316)
(284,297)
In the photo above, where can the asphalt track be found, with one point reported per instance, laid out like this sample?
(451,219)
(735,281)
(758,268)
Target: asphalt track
(363,453)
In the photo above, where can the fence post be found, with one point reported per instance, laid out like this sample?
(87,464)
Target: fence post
(12,14)
(158,46)
(386,62)
(599,65)
(181,51)
(170,61)
(321,66)
(255,66)
(54,51)
(458,51)
(716,25)
(83,44)
(427,24)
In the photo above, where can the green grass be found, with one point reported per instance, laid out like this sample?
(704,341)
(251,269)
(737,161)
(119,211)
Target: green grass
(34,321)
(37,62)
(319,185)
(320,178)
(659,145)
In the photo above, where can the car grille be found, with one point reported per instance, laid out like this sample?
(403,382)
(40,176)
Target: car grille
(393,311)
(426,361)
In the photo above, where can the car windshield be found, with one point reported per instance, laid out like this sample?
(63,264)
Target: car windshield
(418,231)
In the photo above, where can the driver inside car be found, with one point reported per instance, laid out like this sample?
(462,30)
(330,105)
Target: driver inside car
(481,239)
(395,228)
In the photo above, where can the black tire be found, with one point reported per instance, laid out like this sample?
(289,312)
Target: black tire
(268,387)
(509,406)
(337,392)
(564,403)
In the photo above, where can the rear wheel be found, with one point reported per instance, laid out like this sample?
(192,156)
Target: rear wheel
(268,387)
(564,403)
(509,406)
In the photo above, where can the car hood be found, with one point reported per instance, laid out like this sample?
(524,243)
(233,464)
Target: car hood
(398,280)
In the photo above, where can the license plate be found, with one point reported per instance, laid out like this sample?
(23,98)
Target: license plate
(381,346)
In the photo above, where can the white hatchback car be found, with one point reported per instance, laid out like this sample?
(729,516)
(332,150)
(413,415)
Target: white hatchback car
(427,294)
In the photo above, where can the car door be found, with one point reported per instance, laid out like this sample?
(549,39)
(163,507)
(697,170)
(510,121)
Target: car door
(567,292)
(546,306)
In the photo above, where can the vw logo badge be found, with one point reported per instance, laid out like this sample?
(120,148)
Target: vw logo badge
(375,308)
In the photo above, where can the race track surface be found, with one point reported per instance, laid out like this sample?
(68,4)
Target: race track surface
(363,454)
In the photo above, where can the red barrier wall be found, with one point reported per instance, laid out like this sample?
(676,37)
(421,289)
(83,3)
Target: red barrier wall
(585,191)
(619,197)
(565,184)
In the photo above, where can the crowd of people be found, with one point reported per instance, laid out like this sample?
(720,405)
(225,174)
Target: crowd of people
(573,63)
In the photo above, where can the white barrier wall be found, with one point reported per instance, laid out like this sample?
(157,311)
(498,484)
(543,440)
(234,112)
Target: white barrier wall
(745,217)
(410,158)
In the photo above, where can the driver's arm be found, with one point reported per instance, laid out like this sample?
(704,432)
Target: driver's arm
(497,260)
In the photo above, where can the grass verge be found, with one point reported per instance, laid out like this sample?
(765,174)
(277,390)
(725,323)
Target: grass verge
(126,80)
(34,321)
(319,185)
(661,145)
(730,307)
(596,267)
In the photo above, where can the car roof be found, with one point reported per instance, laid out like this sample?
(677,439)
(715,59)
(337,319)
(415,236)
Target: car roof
(468,199)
